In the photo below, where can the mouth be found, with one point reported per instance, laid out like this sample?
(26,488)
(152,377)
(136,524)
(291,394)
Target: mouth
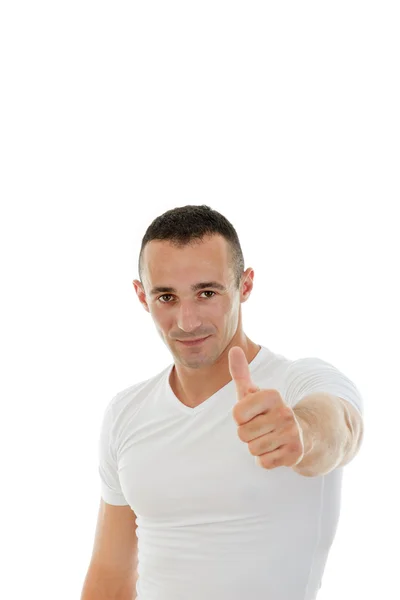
(194,342)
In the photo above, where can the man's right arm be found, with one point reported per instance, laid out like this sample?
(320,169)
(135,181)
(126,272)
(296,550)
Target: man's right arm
(112,573)
(99,585)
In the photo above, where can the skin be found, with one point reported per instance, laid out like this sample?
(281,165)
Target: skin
(314,437)
(265,422)
(199,371)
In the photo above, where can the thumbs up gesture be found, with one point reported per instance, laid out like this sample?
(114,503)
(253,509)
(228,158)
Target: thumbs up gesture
(268,425)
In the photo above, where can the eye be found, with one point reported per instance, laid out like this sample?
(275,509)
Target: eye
(164,296)
(170,295)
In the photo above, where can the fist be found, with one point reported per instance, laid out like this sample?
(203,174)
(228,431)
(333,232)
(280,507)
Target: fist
(268,425)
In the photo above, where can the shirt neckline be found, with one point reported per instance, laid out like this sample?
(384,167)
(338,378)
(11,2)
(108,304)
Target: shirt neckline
(188,410)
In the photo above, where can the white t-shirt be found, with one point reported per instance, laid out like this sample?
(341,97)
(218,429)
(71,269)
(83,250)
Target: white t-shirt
(211,522)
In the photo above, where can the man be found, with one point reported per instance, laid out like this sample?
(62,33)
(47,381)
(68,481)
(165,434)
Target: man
(230,460)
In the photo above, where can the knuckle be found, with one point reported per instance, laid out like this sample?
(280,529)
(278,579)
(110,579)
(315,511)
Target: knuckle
(294,447)
(252,449)
(236,412)
(288,416)
(241,434)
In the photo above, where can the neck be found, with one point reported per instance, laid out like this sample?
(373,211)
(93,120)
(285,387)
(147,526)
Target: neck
(193,386)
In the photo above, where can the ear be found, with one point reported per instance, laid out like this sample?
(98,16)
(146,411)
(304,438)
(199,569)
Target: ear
(141,294)
(247,284)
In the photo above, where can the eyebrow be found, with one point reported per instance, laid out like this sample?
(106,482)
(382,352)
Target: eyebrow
(195,287)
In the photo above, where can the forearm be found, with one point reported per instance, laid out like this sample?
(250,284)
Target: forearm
(330,436)
(99,587)
(97,593)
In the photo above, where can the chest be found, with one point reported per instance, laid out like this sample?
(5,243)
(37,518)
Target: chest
(198,469)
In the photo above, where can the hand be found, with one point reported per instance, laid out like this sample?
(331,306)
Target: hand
(268,425)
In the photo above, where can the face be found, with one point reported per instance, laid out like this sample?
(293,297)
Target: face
(183,312)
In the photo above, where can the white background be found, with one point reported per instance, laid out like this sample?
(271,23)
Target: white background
(284,118)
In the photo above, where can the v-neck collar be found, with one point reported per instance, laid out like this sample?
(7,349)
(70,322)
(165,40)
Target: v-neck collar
(188,410)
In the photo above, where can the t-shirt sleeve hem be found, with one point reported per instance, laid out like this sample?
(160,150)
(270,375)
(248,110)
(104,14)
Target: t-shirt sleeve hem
(114,499)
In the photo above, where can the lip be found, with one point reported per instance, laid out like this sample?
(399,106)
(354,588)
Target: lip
(195,342)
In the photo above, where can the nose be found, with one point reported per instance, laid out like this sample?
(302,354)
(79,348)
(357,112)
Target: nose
(188,319)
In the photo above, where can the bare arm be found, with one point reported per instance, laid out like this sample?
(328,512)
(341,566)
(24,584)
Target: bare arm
(333,432)
(112,573)
(100,585)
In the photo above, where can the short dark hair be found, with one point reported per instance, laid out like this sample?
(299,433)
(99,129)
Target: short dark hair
(186,224)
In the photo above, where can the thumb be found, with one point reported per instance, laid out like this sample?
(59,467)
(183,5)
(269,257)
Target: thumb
(240,372)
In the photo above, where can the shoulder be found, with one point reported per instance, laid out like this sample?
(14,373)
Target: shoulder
(311,374)
(129,399)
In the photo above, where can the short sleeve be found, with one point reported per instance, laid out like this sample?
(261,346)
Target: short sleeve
(309,375)
(108,469)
